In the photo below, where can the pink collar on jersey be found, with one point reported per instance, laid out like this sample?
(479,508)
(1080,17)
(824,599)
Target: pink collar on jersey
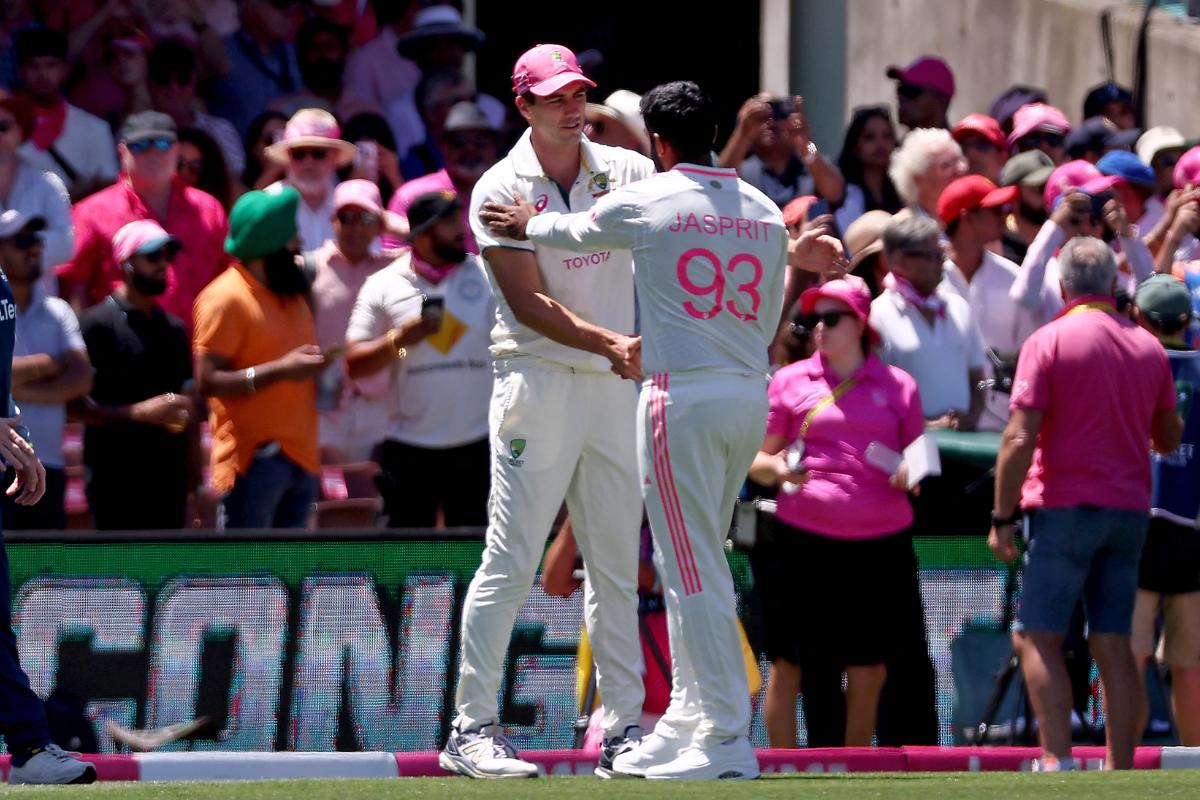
(434,275)
(699,169)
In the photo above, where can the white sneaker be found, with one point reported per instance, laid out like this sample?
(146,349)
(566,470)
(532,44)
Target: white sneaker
(653,750)
(732,760)
(615,746)
(52,764)
(484,752)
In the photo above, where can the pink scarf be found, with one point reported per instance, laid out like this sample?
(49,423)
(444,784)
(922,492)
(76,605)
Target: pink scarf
(929,303)
(434,275)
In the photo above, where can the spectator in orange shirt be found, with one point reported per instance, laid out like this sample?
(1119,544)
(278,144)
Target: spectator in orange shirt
(256,361)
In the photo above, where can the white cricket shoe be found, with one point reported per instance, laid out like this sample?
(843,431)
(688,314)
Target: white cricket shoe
(52,764)
(616,746)
(731,760)
(653,750)
(484,752)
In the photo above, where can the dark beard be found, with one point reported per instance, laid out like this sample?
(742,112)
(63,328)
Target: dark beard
(151,287)
(1037,216)
(284,278)
(451,254)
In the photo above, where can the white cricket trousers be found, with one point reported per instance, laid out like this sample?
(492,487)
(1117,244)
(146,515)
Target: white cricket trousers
(557,433)
(697,436)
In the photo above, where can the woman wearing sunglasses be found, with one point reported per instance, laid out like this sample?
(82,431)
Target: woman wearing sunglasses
(837,423)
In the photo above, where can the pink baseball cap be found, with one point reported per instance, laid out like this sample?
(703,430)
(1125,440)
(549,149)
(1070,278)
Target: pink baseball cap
(1187,169)
(928,72)
(359,193)
(546,68)
(1075,174)
(140,236)
(1037,116)
(1101,184)
(851,290)
(981,125)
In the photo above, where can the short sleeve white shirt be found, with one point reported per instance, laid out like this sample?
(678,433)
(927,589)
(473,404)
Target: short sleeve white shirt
(597,284)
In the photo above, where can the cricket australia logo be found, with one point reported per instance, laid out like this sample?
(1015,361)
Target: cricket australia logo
(515,448)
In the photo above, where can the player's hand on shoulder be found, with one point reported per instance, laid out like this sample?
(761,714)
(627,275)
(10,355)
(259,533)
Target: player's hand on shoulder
(815,250)
(508,221)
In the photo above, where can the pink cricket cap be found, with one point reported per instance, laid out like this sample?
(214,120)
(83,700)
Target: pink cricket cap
(359,193)
(1075,174)
(1101,184)
(928,72)
(851,290)
(979,124)
(546,68)
(1187,169)
(139,236)
(1037,116)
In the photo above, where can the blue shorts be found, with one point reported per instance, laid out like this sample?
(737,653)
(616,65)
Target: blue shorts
(1085,552)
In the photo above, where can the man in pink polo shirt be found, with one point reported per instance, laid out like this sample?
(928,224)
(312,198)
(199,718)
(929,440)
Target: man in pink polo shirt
(147,189)
(1091,390)
(470,144)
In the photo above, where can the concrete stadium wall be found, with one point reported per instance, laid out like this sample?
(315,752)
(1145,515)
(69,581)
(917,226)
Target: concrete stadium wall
(991,44)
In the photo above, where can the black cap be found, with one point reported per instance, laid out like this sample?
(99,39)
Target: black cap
(146,125)
(34,42)
(430,207)
(1100,96)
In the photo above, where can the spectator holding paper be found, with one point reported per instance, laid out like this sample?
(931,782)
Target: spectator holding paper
(837,424)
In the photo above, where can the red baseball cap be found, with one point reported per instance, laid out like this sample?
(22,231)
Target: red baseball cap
(928,72)
(546,68)
(981,125)
(971,192)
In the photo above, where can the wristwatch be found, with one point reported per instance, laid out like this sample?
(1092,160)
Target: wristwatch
(1000,522)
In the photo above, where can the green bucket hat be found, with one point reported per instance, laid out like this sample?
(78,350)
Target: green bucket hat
(262,222)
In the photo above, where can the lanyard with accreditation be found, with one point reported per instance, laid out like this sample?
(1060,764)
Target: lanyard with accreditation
(825,402)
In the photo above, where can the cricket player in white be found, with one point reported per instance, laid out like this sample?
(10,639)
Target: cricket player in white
(710,254)
(561,423)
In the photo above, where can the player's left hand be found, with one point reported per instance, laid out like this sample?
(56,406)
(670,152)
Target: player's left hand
(816,251)
(508,221)
(30,483)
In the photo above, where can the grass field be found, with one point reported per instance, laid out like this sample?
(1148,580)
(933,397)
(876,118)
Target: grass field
(920,786)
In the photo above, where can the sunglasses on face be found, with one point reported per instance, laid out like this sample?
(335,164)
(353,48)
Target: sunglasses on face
(194,166)
(829,318)
(925,255)
(1166,162)
(458,141)
(357,218)
(982,145)
(160,143)
(166,253)
(7,125)
(1033,140)
(909,92)
(25,240)
(172,79)
(302,153)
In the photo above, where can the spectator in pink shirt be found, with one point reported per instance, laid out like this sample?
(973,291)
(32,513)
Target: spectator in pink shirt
(1092,390)
(470,145)
(842,519)
(354,415)
(147,189)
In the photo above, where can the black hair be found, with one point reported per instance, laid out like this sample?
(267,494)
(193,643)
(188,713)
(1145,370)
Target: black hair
(254,168)
(1166,326)
(683,115)
(313,27)
(34,42)
(170,58)
(214,176)
(852,167)
(952,228)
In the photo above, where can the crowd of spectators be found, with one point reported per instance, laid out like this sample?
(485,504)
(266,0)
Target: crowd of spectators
(236,235)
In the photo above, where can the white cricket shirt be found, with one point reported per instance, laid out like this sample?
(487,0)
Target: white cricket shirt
(596,284)
(709,254)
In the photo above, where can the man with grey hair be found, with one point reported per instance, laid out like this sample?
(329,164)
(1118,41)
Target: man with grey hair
(1091,390)
(926,329)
